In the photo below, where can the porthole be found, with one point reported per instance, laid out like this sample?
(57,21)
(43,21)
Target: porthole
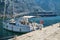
(20,29)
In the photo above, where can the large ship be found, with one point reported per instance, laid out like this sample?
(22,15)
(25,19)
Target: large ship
(47,14)
(43,14)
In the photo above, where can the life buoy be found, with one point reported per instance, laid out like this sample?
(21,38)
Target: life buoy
(41,21)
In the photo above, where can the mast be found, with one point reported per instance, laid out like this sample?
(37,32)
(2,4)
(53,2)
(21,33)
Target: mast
(4,10)
(13,11)
(12,4)
(4,15)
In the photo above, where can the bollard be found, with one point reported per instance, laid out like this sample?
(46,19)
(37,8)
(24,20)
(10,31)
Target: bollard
(41,24)
(59,25)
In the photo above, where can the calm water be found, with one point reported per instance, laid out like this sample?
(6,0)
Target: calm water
(47,21)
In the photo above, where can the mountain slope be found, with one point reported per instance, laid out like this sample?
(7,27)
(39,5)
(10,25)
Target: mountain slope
(31,5)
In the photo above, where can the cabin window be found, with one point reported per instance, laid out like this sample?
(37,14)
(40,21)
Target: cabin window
(6,26)
(22,22)
(20,29)
(13,23)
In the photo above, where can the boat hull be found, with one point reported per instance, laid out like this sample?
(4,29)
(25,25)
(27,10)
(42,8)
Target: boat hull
(20,29)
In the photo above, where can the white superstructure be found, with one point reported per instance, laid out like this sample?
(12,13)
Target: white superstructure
(21,25)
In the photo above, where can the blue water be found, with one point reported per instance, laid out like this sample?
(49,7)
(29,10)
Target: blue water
(47,20)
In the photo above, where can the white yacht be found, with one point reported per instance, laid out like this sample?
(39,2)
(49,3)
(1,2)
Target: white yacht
(21,25)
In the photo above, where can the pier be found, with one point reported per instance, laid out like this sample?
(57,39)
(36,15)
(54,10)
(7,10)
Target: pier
(51,32)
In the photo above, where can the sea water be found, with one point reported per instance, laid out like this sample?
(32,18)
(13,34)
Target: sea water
(47,21)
